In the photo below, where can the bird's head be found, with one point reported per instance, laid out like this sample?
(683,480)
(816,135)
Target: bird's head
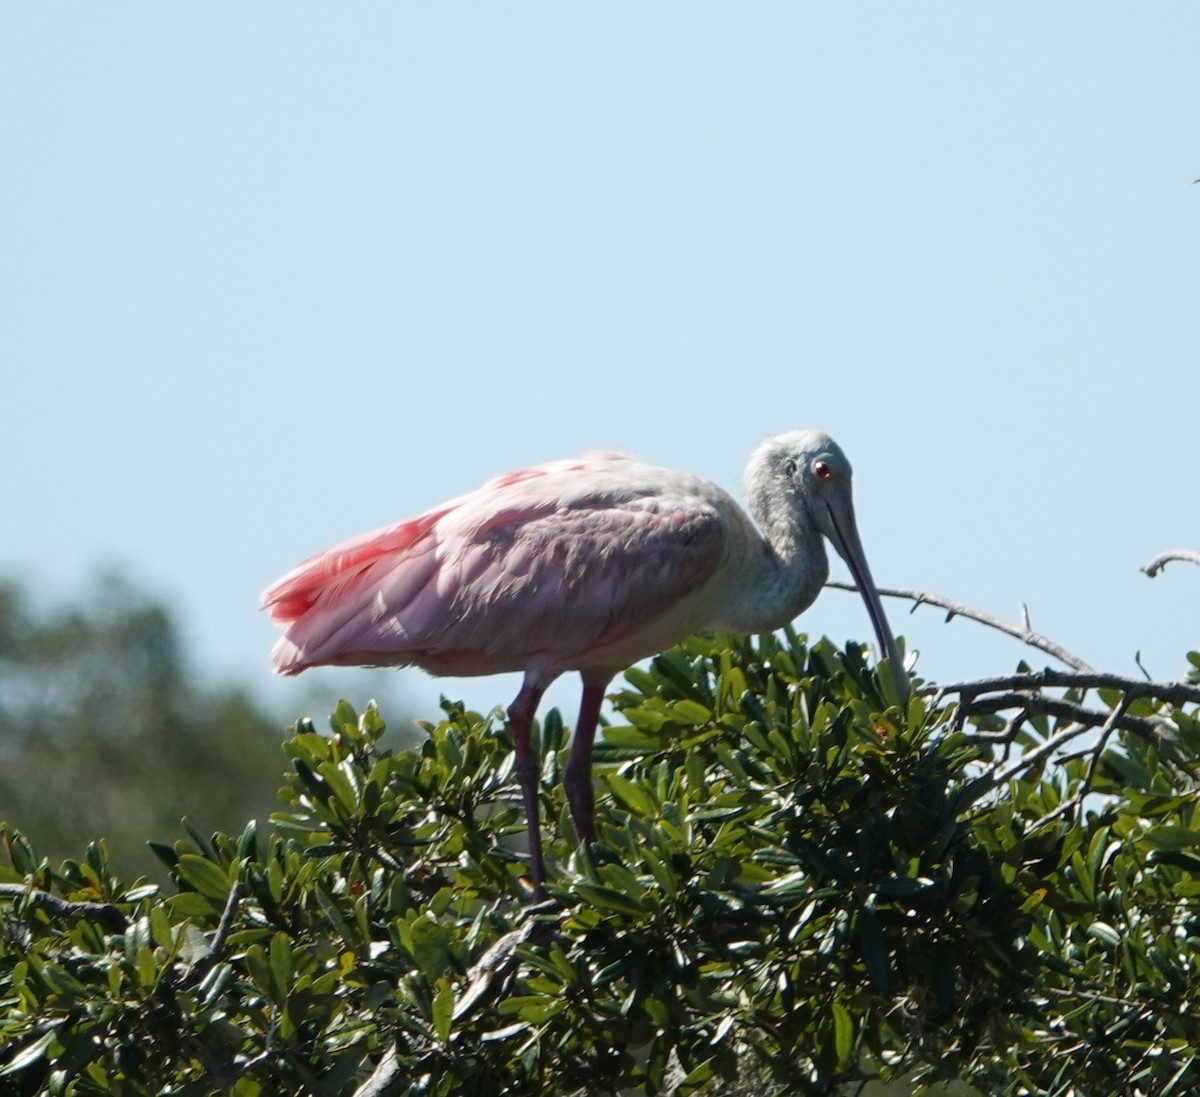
(804,474)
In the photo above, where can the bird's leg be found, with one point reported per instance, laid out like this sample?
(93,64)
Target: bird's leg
(520,723)
(577,778)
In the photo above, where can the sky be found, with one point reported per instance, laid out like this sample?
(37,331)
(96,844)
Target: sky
(274,274)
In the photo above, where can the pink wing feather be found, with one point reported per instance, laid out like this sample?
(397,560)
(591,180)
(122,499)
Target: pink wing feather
(537,567)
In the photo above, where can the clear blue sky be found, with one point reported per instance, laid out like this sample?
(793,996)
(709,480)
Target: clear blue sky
(273,274)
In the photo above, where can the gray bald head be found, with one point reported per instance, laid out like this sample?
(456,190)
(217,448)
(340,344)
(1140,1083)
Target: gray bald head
(799,482)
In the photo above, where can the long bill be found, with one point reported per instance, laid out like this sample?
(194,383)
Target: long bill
(846,540)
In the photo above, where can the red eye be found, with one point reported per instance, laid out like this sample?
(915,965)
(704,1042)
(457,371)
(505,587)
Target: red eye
(821,470)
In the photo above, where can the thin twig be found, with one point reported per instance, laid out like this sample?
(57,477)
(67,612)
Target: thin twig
(1163,558)
(1077,797)
(1150,730)
(217,948)
(1006,734)
(1040,753)
(1091,996)
(956,609)
(385,1078)
(227,915)
(491,975)
(105,913)
(489,979)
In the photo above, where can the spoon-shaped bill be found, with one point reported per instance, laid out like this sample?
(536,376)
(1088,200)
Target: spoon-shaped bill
(846,540)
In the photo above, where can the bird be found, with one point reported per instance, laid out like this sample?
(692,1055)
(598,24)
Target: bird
(583,565)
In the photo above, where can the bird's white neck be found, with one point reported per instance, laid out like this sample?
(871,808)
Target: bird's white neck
(783,568)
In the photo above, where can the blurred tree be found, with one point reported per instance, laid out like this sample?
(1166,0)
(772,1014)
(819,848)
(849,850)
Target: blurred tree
(105,730)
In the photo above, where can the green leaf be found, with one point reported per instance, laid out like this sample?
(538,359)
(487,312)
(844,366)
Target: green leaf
(142,891)
(431,948)
(874,949)
(618,877)
(443,1010)
(607,899)
(1105,934)
(630,737)
(165,853)
(147,970)
(160,927)
(20,852)
(695,1078)
(843,1033)
(30,1054)
(255,959)
(63,983)
(690,712)
(208,879)
(1173,836)
(543,1011)
(344,720)
(632,796)
(247,847)
(280,960)
(191,904)
(645,719)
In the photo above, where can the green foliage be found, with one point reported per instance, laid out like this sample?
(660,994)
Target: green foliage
(104,729)
(798,884)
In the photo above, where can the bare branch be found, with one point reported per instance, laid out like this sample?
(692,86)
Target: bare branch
(1163,558)
(956,609)
(490,978)
(207,962)
(109,916)
(1006,737)
(1040,753)
(1073,730)
(226,923)
(1150,730)
(1075,800)
(1006,734)
(1179,693)
(385,1078)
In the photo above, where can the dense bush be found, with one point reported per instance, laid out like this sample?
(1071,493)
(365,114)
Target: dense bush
(800,880)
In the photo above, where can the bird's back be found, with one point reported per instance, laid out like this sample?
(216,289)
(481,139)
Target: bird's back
(550,566)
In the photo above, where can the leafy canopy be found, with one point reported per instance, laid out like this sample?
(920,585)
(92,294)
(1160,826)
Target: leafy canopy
(801,884)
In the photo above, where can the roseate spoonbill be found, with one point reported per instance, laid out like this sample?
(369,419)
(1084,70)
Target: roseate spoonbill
(582,565)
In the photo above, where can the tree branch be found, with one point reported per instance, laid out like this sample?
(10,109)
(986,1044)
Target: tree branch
(1149,730)
(956,609)
(109,916)
(1075,800)
(1115,719)
(1179,693)
(215,950)
(489,979)
(385,1078)
(1163,558)
(226,923)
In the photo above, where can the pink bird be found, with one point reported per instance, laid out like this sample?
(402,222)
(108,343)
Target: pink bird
(583,565)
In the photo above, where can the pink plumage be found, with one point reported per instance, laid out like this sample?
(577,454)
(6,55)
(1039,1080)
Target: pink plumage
(560,566)
(586,565)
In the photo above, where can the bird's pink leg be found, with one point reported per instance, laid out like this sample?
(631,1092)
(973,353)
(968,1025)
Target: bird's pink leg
(577,778)
(520,723)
